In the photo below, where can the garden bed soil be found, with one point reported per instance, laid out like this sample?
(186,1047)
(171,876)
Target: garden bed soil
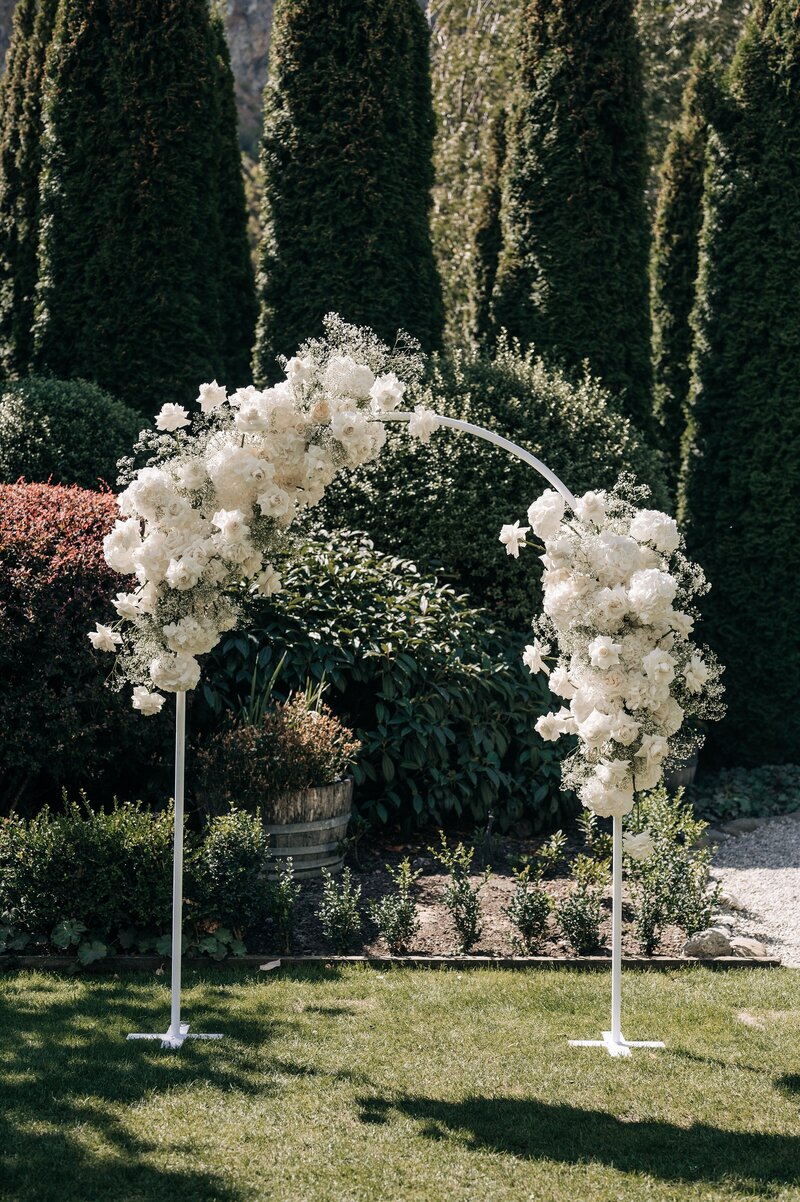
(436,936)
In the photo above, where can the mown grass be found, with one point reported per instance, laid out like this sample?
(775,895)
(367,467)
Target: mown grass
(352,1085)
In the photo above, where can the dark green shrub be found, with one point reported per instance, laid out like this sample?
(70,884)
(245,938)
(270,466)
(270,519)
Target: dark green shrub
(225,883)
(282,896)
(580,914)
(395,915)
(444,503)
(740,501)
(65,431)
(747,792)
(528,911)
(443,707)
(346,157)
(572,277)
(460,896)
(339,912)
(488,235)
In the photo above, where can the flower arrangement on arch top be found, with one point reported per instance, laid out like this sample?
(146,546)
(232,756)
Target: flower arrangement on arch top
(294,747)
(619,608)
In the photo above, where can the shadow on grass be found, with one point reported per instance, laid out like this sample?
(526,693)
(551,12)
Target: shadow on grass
(68,1076)
(534,1130)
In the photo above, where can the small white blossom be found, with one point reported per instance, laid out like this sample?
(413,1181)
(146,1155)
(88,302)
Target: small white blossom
(387,393)
(513,537)
(604,652)
(146,702)
(211,396)
(172,417)
(422,423)
(103,638)
(533,657)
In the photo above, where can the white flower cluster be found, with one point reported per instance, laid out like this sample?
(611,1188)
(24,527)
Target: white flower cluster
(618,607)
(211,507)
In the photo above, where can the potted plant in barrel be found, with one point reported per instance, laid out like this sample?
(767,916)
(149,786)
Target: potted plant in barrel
(290,765)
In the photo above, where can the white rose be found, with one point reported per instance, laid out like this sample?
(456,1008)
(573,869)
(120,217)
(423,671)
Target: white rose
(253,417)
(349,426)
(513,537)
(533,657)
(616,774)
(549,727)
(614,557)
(546,513)
(387,393)
(190,635)
(175,673)
(568,724)
(648,776)
(299,371)
(152,558)
(344,377)
(591,508)
(211,396)
(146,702)
(654,749)
(119,545)
(274,503)
(268,583)
(560,683)
(127,606)
(245,396)
(146,494)
(652,526)
(231,525)
(103,638)
(605,801)
(172,417)
(595,730)
(651,593)
(611,606)
(669,717)
(191,474)
(695,674)
(604,652)
(560,552)
(625,729)
(659,666)
(638,846)
(184,573)
(422,423)
(682,624)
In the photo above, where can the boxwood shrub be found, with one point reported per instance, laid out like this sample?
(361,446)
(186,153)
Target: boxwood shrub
(443,503)
(65,431)
(439,699)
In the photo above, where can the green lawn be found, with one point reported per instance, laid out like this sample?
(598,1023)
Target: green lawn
(403,1085)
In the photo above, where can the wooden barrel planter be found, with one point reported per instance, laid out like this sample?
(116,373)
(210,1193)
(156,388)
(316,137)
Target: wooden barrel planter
(312,829)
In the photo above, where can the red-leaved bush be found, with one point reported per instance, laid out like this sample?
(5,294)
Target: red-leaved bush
(60,726)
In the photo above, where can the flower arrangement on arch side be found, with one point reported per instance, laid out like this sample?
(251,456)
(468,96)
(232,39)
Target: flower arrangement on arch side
(618,605)
(218,491)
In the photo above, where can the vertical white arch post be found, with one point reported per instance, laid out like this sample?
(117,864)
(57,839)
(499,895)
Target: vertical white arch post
(177,1031)
(612,1040)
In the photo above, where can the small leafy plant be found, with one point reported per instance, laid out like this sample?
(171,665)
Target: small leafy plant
(339,912)
(395,914)
(581,912)
(284,891)
(670,884)
(460,897)
(528,911)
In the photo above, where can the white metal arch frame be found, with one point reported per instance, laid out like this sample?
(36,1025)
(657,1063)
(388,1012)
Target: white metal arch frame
(179,1031)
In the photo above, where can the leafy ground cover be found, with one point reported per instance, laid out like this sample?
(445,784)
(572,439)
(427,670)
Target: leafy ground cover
(333,1086)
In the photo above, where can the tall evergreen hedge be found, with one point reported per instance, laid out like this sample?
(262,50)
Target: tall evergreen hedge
(346,155)
(740,494)
(676,234)
(20,159)
(137,255)
(573,274)
(488,236)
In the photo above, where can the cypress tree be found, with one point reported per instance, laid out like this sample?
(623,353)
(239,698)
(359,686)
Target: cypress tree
(20,159)
(488,236)
(237,304)
(133,261)
(676,233)
(573,274)
(346,156)
(740,494)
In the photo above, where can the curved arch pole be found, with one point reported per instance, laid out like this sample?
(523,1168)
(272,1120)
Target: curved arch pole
(612,1040)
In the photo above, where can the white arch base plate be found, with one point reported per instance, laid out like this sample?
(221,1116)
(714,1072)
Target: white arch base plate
(172,1041)
(622,1047)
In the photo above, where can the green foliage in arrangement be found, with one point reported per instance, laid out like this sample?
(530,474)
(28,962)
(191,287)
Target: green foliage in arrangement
(64,431)
(676,235)
(339,911)
(346,156)
(671,883)
(740,488)
(142,257)
(488,236)
(747,792)
(461,895)
(442,705)
(444,503)
(572,279)
(292,747)
(395,915)
(20,163)
(91,882)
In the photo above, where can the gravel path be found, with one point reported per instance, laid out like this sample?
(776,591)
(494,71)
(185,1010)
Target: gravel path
(761,869)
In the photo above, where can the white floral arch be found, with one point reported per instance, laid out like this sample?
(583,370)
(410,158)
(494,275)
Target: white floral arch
(218,492)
